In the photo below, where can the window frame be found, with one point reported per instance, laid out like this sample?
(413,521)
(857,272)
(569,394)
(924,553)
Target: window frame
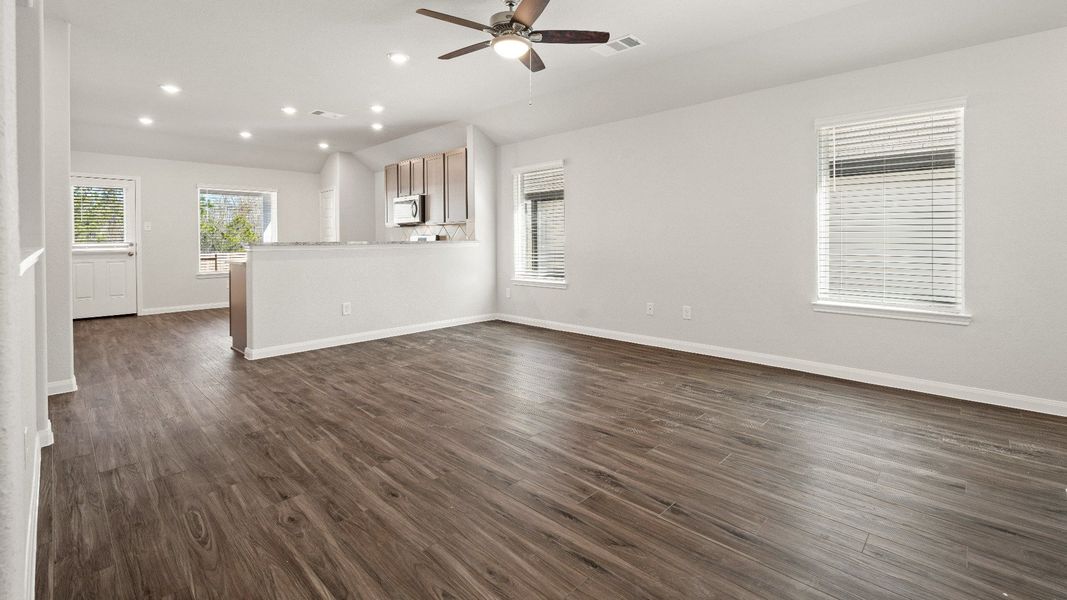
(958,314)
(518,227)
(272,229)
(131,212)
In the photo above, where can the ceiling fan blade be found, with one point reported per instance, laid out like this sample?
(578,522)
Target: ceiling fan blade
(528,11)
(532,61)
(467,50)
(571,36)
(454,20)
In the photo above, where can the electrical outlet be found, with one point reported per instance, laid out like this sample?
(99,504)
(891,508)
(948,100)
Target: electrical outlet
(507,293)
(148,226)
(346,308)
(687,312)
(650,309)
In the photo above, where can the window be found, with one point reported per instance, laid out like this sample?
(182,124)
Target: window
(230,220)
(539,226)
(99,215)
(890,232)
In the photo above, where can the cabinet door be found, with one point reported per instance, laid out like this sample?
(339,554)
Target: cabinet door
(391,184)
(418,183)
(404,178)
(390,191)
(456,186)
(435,188)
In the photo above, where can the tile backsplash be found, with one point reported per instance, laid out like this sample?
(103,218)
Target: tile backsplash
(451,232)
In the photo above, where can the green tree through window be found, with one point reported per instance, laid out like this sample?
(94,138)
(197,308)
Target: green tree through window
(229,222)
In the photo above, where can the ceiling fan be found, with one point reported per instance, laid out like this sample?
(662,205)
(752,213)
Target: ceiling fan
(514,35)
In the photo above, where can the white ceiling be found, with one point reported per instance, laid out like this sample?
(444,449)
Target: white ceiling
(240,61)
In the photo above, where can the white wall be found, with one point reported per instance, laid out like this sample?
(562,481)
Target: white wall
(21,387)
(30,59)
(168,196)
(713,206)
(354,184)
(31,171)
(295,294)
(356,199)
(58,210)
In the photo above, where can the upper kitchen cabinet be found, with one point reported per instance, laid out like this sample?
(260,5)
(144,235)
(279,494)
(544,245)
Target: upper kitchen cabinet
(391,189)
(404,178)
(434,169)
(441,178)
(418,185)
(456,186)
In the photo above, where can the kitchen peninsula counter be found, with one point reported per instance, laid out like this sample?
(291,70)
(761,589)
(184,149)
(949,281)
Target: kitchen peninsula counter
(300,296)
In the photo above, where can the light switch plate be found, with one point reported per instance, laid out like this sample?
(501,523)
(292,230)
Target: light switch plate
(346,308)
(148,226)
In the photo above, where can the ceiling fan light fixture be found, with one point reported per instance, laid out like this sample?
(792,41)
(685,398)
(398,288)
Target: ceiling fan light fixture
(511,45)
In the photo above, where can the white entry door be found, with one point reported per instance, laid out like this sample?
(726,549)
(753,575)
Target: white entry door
(104,253)
(329,227)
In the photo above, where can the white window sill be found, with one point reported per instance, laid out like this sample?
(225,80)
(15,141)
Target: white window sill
(212,275)
(885,312)
(559,285)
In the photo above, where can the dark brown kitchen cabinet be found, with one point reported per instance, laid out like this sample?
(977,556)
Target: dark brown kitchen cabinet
(403,171)
(434,169)
(456,186)
(418,182)
(391,191)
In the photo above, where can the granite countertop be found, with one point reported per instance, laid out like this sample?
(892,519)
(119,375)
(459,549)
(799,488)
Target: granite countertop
(266,245)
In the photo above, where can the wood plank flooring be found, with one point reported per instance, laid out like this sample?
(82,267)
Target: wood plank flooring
(500,461)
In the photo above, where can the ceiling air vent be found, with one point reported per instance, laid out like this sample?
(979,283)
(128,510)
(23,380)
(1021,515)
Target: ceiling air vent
(327,114)
(618,45)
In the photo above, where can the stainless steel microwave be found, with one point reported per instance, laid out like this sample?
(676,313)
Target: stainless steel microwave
(409,210)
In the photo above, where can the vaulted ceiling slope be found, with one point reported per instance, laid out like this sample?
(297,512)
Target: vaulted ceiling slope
(240,61)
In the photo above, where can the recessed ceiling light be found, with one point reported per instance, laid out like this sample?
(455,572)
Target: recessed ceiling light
(170,88)
(146,120)
(245,134)
(377,108)
(398,57)
(324,146)
(289,110)
(377,126)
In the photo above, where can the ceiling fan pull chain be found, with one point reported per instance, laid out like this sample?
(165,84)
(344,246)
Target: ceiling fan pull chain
(530,70)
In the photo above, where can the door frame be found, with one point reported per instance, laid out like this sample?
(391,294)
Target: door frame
(137,227)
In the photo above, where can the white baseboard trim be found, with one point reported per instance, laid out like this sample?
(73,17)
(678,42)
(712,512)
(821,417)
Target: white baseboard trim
(365,336)
(173,309)
(951,390)
(63,386)
(44,438)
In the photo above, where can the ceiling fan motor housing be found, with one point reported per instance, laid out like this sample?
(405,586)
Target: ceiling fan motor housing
(502,19)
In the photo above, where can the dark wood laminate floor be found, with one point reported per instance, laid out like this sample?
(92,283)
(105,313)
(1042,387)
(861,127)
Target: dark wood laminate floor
(495,460)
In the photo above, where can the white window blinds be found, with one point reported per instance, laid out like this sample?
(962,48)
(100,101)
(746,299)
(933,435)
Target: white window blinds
(99,215)
(539,226)
(890,211)
(230,220)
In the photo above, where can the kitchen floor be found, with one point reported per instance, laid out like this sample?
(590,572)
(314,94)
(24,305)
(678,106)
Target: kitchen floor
(501,461)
